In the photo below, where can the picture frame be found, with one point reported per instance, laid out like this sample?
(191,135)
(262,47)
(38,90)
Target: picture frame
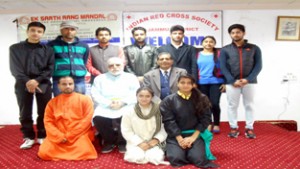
(288,28)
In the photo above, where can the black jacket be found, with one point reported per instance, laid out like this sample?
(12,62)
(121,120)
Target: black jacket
(31,61)
(140,60)
(243,62)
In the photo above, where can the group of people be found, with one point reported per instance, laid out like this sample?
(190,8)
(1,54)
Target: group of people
(146,101)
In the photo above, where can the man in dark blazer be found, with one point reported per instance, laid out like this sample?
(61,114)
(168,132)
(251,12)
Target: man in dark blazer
(184,55)
(163,80)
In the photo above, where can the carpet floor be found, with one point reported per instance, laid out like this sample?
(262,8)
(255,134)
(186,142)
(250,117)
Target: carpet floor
(274,148)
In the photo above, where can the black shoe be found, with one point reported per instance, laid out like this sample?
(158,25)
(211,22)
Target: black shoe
(250,134)
(107,148)
(234,133)
(122,148)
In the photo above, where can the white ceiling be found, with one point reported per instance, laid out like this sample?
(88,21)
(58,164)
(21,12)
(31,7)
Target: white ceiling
(36,6)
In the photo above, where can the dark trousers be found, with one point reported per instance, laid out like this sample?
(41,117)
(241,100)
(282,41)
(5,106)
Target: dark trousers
(180,157)
(109,129)
(212,91)
(25,102)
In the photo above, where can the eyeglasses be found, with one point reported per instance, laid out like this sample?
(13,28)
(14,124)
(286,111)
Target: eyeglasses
(112,65)
(161,59)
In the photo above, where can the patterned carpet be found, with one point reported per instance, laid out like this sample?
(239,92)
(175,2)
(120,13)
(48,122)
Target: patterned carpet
(274,148)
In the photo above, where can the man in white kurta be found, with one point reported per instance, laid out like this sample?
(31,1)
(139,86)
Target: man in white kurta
(113,93)
(136,131)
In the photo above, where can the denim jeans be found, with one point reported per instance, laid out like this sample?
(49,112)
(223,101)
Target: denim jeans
(79,86)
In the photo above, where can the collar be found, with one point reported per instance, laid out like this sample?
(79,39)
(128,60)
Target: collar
(163,71)
(103,46)
(139,46)
(177,46)
(186,97)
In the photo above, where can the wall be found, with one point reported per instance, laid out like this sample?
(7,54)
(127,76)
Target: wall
(274,100)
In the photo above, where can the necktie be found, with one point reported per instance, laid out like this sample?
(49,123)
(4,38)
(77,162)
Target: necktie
(166,76)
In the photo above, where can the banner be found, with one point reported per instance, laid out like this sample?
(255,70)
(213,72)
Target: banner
(87,23)
(158,24)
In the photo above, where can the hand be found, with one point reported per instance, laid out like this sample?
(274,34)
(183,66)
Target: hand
(116,104)
(153,142)
(181,142)
(188,141)
(244,82)
(222,88)
(141,79)
(237,83)
(31,85)
(144,146)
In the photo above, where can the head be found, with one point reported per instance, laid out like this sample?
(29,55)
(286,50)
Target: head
(177,33)
(139,34)
(185,83)
(35,31)
(68,30)
(144,96)
(66,84)
(103,34)
(237,32)
(115,66)
(164,60)
(208,42)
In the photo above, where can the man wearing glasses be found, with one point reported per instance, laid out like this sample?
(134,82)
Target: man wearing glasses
(113,93)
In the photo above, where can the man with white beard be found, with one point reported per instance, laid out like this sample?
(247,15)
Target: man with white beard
(113,93)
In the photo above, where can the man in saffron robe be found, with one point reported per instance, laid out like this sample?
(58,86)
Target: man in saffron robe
(68,125)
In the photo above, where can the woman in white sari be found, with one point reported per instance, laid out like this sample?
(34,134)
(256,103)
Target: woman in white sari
(143,131)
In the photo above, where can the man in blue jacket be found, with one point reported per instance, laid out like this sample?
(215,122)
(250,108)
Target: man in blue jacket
(70,57)
(240,62)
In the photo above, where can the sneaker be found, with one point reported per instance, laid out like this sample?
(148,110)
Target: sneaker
(250,134)
(40,140)
(234,133)
(28,143)
(122,148)
(107,148)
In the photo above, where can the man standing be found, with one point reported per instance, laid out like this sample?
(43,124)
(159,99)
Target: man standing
(240,63)
(141,58)
(184,55)
(163,80)
(68,124)
(31,63)
(99,54)
(70,57)
(113,93)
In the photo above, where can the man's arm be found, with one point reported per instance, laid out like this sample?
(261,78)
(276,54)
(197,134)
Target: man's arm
(257,65)
(128,65)
(48,70)
(16,65)
(194,63)
(53,133)
(90,67)
(223,60)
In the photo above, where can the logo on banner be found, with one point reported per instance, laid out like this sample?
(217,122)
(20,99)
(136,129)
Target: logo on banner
(112,17)
(24,20)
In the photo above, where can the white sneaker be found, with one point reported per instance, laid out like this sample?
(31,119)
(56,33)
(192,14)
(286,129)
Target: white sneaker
(28,143)
(40,140)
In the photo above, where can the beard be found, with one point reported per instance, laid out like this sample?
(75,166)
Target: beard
(116,73)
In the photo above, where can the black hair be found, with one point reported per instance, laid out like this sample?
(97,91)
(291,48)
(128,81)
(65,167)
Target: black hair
(62,77)
(102,29)
(236,26)
(138,28)
(36,24)
(145,88)
(200,101)
(215,52)
(177,28)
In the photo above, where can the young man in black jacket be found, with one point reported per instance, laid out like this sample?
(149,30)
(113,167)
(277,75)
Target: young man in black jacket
(32,63)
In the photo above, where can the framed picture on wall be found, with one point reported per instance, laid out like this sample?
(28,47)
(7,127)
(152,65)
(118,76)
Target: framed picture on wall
(288,28)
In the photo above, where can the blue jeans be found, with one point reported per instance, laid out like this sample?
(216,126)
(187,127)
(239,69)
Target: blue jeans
(79,86)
